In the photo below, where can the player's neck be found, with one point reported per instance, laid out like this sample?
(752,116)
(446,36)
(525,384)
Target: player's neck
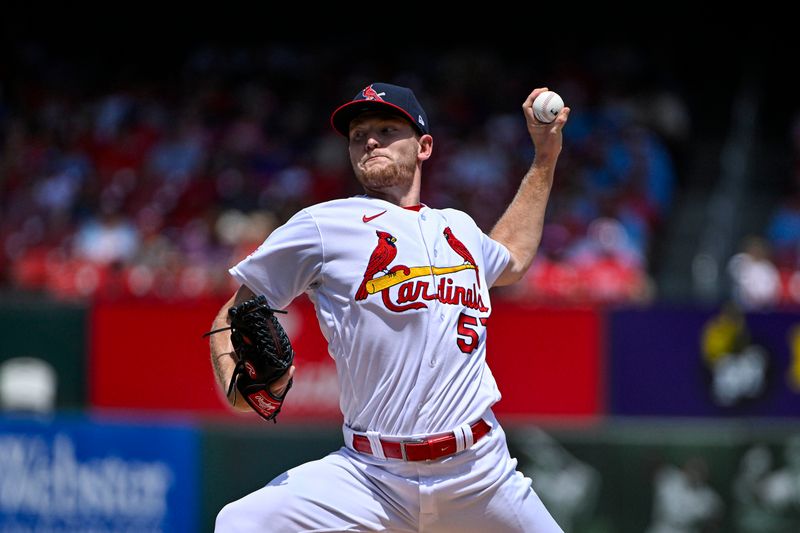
(399,200)
(401,195)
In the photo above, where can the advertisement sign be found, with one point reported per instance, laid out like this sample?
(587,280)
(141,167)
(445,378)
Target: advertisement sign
(75,475)
(688,362)
(138,364)
(546,361)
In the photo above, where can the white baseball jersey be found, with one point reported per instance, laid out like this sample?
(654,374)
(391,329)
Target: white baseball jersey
(402,297)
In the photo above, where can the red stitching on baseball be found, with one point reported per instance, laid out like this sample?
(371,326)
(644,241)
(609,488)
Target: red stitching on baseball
(546,102)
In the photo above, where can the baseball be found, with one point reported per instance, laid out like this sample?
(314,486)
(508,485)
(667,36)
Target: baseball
(547,106)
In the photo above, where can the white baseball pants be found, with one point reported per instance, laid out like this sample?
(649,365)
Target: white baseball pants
(477,490)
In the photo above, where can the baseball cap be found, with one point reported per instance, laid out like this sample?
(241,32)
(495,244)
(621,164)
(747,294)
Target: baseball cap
(384,97)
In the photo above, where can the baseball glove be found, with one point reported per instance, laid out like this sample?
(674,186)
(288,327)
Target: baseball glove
(263,354)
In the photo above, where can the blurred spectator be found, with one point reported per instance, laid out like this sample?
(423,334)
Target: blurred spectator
(755,279)
(569,487)
(781,488)
(752,514)
(684,502)
(106,239)
(179,154)
(783,232)
(768,498)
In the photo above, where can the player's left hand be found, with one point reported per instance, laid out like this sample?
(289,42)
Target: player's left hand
(264,354)
(546,137)
(280,387)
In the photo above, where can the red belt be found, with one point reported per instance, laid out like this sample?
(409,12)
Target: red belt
(421,449)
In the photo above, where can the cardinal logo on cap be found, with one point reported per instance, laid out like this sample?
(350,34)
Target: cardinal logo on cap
(370,94)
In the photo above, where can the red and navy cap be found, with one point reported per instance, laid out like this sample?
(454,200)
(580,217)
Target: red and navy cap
(384,97)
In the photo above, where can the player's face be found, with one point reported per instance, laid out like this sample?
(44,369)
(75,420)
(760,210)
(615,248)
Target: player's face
(383,150)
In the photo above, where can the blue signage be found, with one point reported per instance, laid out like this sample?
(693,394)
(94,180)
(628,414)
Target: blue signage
(77,475)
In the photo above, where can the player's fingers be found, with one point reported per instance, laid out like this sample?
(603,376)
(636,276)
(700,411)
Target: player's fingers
(527,105)
(531,97)
(562,118)
(278,387)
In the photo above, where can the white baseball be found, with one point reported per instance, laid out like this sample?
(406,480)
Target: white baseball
(547,106)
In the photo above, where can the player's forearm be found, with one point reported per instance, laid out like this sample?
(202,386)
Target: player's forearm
(520,227)
(222,355)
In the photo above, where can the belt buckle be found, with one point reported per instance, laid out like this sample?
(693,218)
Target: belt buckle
(403,446)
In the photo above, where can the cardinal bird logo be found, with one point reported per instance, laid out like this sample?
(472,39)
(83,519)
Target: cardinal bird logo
(383,254)
(370,94)
(461,250)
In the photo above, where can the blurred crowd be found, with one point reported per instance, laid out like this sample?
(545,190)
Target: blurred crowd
(153,187)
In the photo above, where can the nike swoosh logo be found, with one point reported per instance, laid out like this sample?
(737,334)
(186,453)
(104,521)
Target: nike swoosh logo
(366,219)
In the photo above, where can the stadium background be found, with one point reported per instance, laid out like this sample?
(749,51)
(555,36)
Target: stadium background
(650,362)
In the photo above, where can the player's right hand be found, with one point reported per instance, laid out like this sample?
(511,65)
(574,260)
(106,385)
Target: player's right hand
(546,137)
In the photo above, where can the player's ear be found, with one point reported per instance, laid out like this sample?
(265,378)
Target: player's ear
(425,147)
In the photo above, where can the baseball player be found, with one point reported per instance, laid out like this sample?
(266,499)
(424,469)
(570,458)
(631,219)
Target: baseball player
(401,292)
